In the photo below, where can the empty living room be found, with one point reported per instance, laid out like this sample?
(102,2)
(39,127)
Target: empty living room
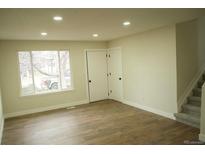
(102,76)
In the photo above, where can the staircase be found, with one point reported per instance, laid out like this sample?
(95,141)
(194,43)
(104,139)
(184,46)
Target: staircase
(191,111)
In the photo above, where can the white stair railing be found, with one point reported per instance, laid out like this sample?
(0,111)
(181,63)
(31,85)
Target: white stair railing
(202,120)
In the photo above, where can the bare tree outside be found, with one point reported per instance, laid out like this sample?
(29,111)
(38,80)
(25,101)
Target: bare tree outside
(44,71)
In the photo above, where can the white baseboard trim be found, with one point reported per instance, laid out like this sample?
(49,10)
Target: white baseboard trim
(1,129)
(42,109)
(202,137)
(188,91)
(149,109)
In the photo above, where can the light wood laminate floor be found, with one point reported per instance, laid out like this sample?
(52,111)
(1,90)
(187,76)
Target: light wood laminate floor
(104,122)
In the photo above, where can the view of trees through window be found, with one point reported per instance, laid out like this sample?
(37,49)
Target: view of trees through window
(44,71)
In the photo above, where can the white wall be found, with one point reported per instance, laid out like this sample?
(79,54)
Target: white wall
(149,69)
(9,75)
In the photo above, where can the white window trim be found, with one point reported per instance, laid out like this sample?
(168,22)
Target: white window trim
(71,88)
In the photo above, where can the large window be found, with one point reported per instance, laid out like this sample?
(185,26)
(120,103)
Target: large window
(44,71)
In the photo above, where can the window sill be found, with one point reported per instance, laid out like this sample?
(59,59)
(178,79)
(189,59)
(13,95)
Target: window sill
(48,93)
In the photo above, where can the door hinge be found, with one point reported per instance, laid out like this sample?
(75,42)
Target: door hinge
(108,94)
(109,55)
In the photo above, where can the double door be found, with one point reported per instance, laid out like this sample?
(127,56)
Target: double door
(104,68)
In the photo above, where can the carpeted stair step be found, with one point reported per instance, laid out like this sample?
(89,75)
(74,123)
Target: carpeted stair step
(191,109)
(194,100)
(197,92)
(188,119)
(195,103)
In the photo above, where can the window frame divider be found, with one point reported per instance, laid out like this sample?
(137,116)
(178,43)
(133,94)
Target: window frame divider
(32,72)
(59,67)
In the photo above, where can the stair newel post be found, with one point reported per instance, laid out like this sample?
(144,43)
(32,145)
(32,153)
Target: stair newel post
(202,120)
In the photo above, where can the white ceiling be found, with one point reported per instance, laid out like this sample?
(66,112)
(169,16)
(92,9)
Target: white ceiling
(80,24)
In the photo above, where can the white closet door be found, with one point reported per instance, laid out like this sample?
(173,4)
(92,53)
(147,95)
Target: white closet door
(97,75)
(115,74)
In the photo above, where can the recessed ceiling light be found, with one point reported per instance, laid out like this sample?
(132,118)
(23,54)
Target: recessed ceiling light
(95,35)
(126,23)
(43,33)
(58,18)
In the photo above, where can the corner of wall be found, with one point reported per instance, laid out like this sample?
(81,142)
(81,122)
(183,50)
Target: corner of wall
(1,129)
(1,118)
(149,109)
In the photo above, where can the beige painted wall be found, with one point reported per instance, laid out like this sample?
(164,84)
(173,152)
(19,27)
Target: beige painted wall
(149,68)
(187,56)
(9,75)
(201,51)
(1,109)
(202,123)
(1,117)
(190,38)
(201,40)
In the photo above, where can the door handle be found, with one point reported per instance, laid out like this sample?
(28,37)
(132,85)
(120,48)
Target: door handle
(120,78)
(89,81)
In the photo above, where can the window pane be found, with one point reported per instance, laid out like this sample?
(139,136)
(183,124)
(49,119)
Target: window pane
(46,70)
(25,73)
(65,69)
